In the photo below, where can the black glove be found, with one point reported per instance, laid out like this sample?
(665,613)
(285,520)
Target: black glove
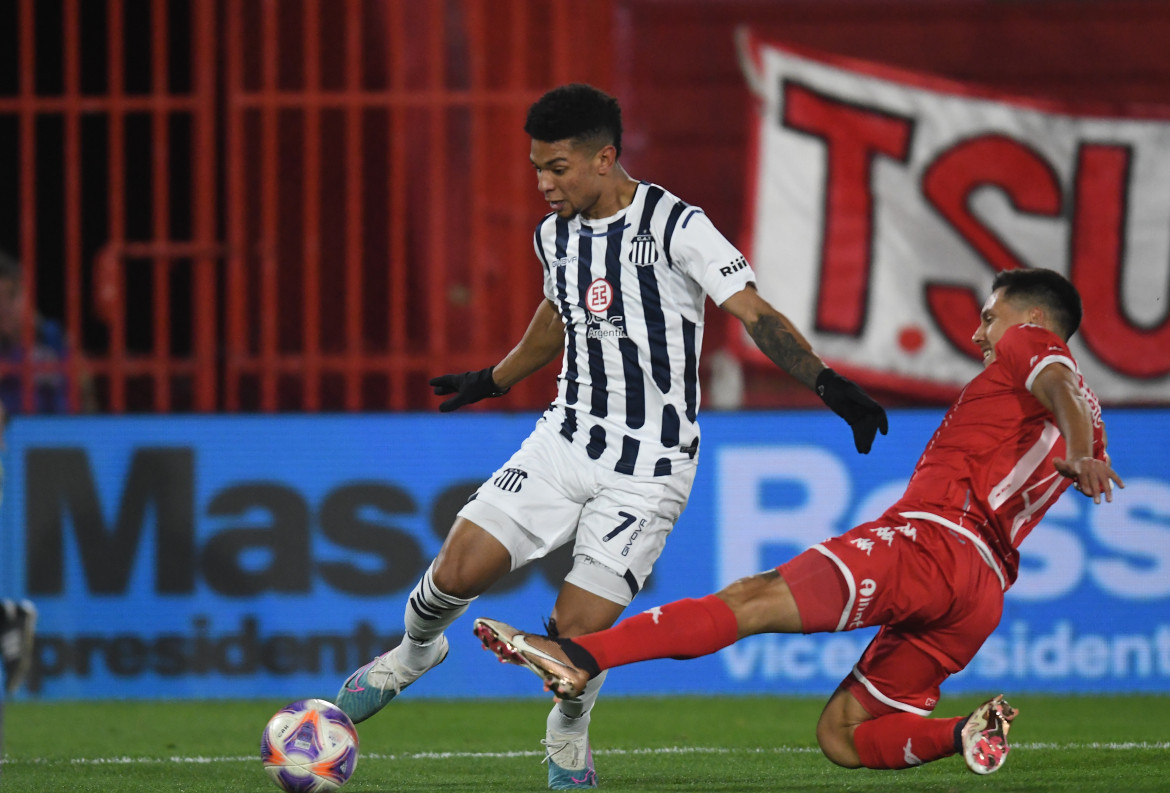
(468,387)
(848,401)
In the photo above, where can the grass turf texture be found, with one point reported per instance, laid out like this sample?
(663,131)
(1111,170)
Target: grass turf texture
(645,745)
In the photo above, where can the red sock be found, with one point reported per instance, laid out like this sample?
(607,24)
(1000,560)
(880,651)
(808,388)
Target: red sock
(682,629)
(901,740)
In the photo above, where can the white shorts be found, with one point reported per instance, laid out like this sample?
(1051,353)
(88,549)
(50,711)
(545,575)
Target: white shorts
(548,493)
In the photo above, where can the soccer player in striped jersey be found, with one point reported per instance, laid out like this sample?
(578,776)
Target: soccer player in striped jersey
(626,267)
(931,571)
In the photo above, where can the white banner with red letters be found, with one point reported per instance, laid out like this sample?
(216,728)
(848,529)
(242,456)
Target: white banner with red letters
(884,203)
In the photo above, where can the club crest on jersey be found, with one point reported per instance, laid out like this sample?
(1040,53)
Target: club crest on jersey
(599,296)
(643,251)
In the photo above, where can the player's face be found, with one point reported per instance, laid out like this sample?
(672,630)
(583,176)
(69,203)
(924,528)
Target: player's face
(997,316)
(568,176)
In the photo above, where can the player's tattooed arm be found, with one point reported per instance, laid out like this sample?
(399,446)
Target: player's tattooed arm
(775,335)
(784,345)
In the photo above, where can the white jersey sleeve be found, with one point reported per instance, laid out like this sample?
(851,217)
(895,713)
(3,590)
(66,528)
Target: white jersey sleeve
(709,258)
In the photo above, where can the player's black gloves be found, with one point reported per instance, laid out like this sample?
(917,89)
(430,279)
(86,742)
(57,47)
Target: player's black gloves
(848,401)
(467,387)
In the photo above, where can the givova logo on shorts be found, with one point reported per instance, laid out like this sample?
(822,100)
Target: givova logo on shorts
(510,479)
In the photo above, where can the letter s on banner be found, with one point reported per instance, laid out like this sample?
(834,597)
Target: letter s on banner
(1145,537)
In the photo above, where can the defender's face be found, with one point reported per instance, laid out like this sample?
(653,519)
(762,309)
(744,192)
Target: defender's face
(567,176)
(997,316)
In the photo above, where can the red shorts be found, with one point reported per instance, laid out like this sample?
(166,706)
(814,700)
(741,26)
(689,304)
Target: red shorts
(936,598)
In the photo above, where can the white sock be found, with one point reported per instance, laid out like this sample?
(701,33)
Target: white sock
(572,715)
(429,612)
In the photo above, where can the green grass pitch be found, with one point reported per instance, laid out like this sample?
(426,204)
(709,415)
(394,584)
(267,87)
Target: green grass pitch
(640,744)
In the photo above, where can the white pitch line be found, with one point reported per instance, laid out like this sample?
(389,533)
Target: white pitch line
(1157,746)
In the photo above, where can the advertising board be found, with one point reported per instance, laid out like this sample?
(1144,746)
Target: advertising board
(175,557)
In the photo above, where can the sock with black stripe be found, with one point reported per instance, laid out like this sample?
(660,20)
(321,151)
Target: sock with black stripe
(429,612)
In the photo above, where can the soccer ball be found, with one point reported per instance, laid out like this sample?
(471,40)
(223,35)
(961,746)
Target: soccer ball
(309,746)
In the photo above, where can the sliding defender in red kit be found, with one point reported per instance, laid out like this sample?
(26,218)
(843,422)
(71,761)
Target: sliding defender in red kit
(931,571)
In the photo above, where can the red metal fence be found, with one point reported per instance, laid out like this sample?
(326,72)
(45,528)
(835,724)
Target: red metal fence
(318,204)
(299,204)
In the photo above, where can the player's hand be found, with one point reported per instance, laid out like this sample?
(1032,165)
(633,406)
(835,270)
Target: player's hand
(848,401)
(1090,476)
(467,387)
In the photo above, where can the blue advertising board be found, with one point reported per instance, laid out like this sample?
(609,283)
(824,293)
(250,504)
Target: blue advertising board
(175,557)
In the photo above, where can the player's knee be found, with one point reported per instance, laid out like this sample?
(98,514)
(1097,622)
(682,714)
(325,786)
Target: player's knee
(836,741)
(460,576)
(741,594)
(762,603)
(470,561)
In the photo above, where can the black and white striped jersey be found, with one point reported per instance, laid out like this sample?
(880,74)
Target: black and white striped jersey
(630,289)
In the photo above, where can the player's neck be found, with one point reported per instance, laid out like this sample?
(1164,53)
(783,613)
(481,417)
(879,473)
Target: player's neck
(618,195)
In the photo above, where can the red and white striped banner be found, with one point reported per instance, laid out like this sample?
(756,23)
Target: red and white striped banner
(884,203)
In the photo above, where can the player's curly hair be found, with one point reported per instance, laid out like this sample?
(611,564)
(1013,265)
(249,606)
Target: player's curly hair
(576,112)
(1045,288)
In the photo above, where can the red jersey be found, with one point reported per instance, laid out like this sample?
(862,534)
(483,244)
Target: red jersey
(988,469)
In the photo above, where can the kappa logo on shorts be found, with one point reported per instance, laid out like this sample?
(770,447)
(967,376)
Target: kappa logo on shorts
(888,534)
(510,479)
(863,544)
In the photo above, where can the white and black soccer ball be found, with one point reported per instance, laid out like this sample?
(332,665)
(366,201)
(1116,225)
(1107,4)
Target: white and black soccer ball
(309,746)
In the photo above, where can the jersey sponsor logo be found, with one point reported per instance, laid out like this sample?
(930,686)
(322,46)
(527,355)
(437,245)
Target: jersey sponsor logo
(599,296)
(734,267)
(865,591)
(562,262)
(510,480)
(643,251)
(606,327)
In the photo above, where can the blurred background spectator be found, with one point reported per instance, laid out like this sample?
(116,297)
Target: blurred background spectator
(50,392)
